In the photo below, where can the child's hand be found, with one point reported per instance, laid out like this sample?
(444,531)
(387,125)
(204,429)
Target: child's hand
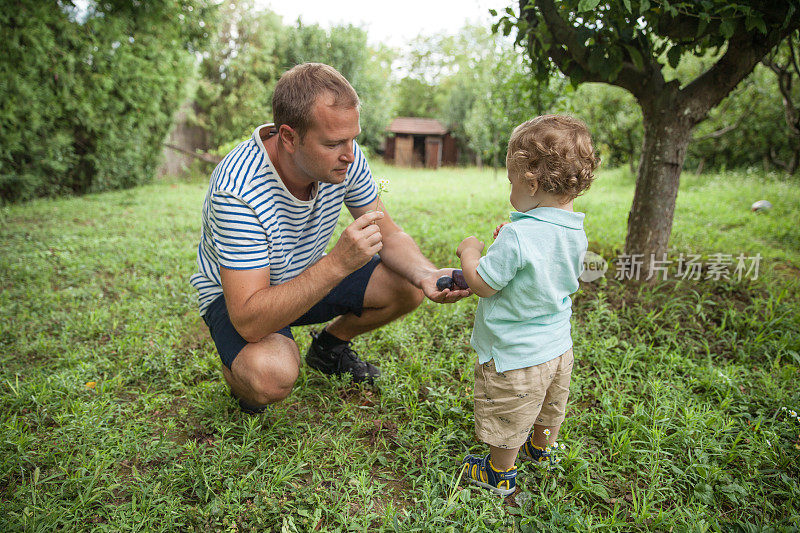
(469,242)
(497,229)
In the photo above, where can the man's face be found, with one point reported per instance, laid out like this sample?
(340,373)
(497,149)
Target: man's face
(326,150)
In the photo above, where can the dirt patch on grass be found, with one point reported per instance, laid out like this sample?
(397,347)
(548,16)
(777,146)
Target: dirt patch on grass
(360,396)
(381,430)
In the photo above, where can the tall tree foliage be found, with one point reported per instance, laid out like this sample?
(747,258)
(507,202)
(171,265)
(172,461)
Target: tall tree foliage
(367,68)
(507,98)
(627,43)
(614,120)
(476,84)
(240,67)
(418,98)
(251,50)
(86,98)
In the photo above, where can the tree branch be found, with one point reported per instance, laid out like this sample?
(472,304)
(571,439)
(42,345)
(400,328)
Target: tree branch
(773,158)
(720,132)
(792,54)
(789,110)
(683,28)
(745,50)
(208,158)
(564,35)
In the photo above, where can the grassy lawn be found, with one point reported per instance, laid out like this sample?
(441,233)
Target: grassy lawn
(114,414)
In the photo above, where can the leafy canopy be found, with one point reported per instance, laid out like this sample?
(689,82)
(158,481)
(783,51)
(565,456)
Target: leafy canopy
(611,34)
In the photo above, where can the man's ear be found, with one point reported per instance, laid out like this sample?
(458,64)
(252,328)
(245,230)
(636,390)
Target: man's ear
(289,138)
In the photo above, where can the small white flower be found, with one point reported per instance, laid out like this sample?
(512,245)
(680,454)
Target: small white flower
(793,414)
(555,445)
(547,431)
(798,418)
(783,408)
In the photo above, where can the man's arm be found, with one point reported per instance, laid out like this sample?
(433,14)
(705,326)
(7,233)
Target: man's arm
(258,309)
(402,255)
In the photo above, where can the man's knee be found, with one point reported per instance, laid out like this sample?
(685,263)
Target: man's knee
(274,383)
(409,297)
(402,296)
(268,370)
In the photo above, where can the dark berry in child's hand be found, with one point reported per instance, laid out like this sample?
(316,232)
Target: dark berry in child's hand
(445,282)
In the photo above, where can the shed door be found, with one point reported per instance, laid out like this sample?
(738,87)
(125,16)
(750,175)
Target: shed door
(404,151)
(433,152)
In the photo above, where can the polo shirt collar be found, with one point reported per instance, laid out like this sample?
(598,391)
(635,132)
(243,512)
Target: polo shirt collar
(553,215)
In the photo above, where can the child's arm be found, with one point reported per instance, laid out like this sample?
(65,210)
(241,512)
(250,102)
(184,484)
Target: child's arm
(469,251)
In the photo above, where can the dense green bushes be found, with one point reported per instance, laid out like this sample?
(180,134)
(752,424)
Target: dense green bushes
(87,96)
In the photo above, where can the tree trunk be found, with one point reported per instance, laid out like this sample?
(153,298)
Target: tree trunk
(666,138)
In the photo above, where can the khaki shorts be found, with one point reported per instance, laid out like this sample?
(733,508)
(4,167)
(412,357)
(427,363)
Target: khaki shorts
(507,404)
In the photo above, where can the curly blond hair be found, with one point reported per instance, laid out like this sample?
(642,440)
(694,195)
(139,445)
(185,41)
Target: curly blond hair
(555,152)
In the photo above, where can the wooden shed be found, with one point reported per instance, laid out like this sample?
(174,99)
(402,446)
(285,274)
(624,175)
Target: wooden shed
(419,142)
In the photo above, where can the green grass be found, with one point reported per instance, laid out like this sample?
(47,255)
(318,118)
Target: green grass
(674,423)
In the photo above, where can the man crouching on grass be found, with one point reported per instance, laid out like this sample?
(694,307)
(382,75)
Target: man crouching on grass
(271,207)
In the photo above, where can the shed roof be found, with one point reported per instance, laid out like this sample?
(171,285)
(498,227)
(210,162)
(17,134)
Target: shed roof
(417,126)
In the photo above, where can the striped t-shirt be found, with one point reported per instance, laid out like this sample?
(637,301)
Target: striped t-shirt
(250,219)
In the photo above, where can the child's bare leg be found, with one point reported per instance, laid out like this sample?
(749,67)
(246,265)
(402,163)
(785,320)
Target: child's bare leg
(542,440)
(503,458)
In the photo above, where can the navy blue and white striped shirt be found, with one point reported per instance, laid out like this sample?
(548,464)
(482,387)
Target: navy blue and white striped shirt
(250,219)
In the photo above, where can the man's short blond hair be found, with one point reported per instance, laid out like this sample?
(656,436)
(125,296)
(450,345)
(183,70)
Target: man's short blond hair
(297,91)
(556,152)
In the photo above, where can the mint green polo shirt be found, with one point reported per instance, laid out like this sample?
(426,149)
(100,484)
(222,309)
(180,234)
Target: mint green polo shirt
(534,265)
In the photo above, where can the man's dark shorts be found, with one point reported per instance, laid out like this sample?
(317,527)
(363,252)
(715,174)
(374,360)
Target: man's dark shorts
(347,297)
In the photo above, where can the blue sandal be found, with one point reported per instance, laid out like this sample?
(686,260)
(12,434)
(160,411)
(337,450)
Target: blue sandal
(531,452)
(479,471)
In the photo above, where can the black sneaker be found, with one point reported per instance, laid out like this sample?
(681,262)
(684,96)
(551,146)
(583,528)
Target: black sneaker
(339,360)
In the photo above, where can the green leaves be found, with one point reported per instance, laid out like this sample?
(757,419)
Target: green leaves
(587,5)
(756,22)
(727,27)
(90,101)
(636,56)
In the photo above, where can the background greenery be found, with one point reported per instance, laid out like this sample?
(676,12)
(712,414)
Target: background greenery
(87,98)
(675,419)
(88,95)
